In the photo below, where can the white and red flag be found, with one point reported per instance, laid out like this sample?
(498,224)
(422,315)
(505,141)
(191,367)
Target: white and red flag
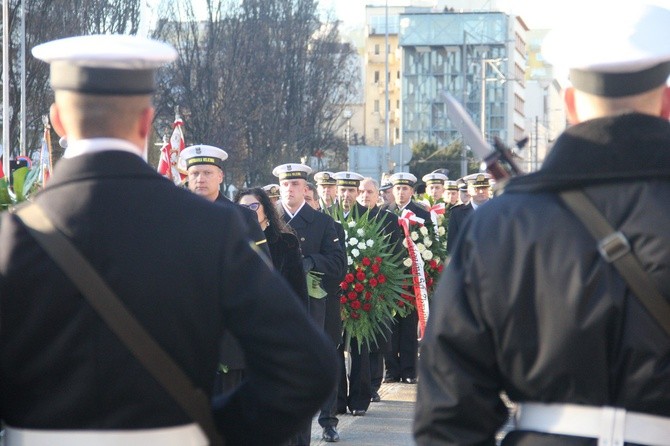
(170,153)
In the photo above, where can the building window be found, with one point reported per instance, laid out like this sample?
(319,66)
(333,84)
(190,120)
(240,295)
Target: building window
(376,49)
(376,109)
(376,77)
(376,134)
(397,104)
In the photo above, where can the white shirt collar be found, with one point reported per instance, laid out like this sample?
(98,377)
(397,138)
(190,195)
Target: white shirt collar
(94,145)
(288,212)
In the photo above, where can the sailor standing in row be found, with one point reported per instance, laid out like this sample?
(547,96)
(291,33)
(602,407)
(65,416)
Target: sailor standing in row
(323,254)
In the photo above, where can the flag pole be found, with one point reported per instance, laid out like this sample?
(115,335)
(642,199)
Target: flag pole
(5,86)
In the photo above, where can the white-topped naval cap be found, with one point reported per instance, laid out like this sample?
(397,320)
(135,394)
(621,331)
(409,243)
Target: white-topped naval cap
(405,178)
(434,178)
(201,154)
(105,64)
(272,190)
(618,51)
(291,171)
(348,179)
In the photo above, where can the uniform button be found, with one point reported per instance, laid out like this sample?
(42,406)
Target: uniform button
(302,239)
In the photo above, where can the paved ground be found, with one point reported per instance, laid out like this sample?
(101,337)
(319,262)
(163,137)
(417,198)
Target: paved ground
(386,423)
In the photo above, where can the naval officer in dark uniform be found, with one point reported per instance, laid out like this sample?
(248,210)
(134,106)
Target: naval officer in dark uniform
(204,166)
(323,253)
(183,267)
(400,361)
(479,188)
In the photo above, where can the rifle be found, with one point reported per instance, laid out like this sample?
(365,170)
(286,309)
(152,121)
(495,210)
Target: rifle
(499,159)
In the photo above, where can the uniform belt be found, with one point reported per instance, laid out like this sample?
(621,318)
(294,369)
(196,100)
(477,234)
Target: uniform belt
(187,435)
(612,426)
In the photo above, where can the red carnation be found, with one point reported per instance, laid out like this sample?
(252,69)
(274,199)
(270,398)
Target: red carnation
(401,303)
(378,260)
(429,281)
(356,305)
(367,307)
(343,300)
(368,295)
(373,282)
(440,267)
(360,275)
(381,278)
(344,285)
(375,268)
(354,315)
(352,295)
(366,261)
(358,287)
(349,278)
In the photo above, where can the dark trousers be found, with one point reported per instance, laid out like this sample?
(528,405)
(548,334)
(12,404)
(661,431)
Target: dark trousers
(360,385)
(401,359)
(376,370)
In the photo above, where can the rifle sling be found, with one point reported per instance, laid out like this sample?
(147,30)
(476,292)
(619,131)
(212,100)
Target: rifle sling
(615,249)
(120,320)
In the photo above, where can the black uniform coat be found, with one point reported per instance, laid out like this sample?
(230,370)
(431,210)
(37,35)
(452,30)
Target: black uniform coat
(231,352)
(457,216)
(527,305)
(320,242)
(185,268)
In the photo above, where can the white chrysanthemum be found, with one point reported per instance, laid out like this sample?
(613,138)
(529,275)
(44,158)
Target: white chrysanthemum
(361,245)
(350,261)
(355,252)
(370,243)
(407,262)
(427,241)
(404,242)
(360,232)
(353,241)
(441,230)
(414,236)
(427,255)
(424,230)
(421,247)
(351,224)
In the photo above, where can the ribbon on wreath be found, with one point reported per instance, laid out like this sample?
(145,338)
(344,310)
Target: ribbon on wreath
(419,278)
(438,209)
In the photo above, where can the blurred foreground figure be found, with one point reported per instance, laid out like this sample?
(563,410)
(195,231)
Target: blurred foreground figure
(528,305)
(183,266)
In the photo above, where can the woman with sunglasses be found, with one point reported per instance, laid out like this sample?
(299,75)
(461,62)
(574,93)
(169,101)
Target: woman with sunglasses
(283,243)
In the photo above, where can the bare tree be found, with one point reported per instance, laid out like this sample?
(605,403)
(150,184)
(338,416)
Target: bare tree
(265,80)
(47,20)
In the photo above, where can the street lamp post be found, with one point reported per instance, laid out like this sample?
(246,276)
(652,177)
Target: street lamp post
(492,63)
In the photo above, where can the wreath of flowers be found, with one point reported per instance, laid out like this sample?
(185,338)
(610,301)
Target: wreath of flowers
(372,286)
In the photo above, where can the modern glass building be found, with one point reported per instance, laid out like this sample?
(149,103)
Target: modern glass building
(478,57)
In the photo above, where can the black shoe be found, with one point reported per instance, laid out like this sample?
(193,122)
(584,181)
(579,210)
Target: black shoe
(390,379)
(409,380)
(358,413)
(375,397)
(341,411)
(330,435)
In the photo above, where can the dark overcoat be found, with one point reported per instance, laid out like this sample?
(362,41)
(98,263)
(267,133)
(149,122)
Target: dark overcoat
(528,306)
(184,267)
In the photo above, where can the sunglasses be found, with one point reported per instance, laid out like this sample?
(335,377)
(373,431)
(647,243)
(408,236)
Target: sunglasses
(253,206)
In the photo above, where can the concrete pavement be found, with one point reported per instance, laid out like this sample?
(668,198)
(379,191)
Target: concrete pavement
(388,422)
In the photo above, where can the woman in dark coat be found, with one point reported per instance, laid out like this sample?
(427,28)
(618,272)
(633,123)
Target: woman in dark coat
(283,243)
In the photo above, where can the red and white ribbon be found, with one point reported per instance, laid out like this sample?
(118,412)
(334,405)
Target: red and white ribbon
(418,276)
